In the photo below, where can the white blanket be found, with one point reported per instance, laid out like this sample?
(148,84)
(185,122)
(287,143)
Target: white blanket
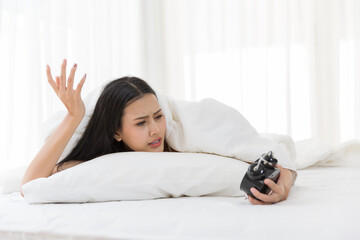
(205,126)
(212,127)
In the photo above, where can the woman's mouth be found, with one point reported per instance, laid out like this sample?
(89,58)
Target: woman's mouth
(156,143)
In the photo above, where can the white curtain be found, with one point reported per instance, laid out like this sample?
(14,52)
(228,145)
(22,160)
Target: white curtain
(290,66)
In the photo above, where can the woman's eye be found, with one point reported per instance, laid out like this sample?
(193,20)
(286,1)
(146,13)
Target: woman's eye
(140,123)
(160,116)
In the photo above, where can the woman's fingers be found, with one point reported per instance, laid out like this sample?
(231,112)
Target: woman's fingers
(280,190)
(51,80)
(256,202)
(263,197)
(273,186)
(63,77)
(62,88)
(276,195)
(80,85)
(57,81)
(70,83)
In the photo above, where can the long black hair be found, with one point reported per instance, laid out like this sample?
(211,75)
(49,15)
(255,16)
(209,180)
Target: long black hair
(98,137)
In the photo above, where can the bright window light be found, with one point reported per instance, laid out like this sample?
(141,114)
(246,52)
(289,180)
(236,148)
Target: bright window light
(347,90)
(255,81)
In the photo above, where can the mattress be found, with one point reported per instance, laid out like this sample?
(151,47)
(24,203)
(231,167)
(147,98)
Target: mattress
(323,204)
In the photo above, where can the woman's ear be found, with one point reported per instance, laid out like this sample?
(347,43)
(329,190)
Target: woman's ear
(117,136)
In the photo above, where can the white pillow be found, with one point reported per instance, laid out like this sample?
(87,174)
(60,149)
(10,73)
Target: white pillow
(139,176)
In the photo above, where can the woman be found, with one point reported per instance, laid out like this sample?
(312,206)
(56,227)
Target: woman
(127,117)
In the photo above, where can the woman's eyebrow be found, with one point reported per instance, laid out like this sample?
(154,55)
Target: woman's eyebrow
(147,115)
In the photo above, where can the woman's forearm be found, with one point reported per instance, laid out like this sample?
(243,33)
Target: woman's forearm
(45,160)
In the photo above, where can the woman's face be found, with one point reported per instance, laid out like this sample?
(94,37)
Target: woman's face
(143,125)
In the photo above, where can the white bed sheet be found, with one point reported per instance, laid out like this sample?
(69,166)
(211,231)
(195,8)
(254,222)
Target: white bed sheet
(323,204)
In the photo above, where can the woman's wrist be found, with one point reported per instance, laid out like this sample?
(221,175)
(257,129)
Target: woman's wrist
(294,176)
(289,180)
(76,119)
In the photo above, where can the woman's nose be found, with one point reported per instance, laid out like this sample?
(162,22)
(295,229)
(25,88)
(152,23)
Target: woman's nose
(154,128)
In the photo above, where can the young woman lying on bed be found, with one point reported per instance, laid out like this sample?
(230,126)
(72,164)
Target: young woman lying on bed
(127,117)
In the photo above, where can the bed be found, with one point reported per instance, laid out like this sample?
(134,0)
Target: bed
(323,204)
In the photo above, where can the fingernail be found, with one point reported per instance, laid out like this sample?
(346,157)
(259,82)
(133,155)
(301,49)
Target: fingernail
(266,181)
(85,75)
(252,190)
(75,65)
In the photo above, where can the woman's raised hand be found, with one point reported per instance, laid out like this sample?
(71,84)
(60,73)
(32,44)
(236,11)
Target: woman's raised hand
(64,90)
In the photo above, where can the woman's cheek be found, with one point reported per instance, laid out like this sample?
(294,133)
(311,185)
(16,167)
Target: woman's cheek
(163,127)
(143,132)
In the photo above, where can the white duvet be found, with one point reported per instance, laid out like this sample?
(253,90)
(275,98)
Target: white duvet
(212,127)
(205,126)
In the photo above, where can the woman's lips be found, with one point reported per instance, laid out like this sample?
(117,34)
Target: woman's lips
(156,143)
